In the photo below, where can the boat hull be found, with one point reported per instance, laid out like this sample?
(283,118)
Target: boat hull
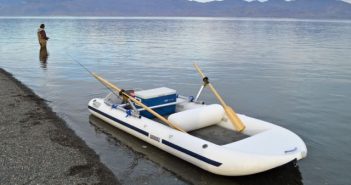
(228,160)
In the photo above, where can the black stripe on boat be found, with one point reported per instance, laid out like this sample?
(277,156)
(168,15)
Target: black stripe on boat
(197,156)
(120,122)
(165,142)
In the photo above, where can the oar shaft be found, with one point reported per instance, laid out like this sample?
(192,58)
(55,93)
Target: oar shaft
(232,116)
(102,80)
(211,86)
(220,99)
(199,71)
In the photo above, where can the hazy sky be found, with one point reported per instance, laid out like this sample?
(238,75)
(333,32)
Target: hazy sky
(349,1)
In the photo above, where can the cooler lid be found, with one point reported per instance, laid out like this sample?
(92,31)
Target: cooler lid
(153,93)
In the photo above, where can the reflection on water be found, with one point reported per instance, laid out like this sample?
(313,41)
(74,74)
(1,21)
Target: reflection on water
(287,174)
(43,57)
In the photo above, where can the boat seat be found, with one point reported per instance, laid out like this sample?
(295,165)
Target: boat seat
(197,118)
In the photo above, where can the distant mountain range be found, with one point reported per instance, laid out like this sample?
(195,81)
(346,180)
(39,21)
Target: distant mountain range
(312,9)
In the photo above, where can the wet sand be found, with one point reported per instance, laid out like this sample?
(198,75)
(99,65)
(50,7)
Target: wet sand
(36,145)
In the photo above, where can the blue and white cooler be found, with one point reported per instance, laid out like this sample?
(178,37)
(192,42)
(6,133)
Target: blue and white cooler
(161,100)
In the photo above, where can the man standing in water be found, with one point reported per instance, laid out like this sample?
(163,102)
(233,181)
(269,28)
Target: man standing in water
(43,53)
(42,36)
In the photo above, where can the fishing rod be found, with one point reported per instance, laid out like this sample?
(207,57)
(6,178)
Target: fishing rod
(92,74)
(123,93)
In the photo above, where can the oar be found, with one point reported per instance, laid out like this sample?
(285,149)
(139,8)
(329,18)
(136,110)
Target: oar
(110,85)
(233,117)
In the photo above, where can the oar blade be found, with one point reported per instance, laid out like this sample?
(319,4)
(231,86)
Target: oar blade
(234,119)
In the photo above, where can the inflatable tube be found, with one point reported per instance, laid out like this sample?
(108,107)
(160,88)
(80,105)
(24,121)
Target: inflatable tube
(198,118)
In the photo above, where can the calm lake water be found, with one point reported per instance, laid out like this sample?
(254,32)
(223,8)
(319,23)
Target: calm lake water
(296,74)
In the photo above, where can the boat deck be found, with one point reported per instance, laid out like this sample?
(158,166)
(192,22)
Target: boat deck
(218,135)
(215,134)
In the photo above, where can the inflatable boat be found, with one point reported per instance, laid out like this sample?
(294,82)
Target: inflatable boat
(264,146)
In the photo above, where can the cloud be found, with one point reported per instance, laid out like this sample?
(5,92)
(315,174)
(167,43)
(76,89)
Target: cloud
(256,0)
(205,1)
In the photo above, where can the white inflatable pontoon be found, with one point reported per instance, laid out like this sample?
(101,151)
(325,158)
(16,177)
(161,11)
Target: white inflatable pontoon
(266,146)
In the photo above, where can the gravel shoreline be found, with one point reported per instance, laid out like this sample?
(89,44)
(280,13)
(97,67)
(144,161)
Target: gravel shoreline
(36,145)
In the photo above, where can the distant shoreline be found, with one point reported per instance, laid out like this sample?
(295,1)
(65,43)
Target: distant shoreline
(294,9)
(177,18)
